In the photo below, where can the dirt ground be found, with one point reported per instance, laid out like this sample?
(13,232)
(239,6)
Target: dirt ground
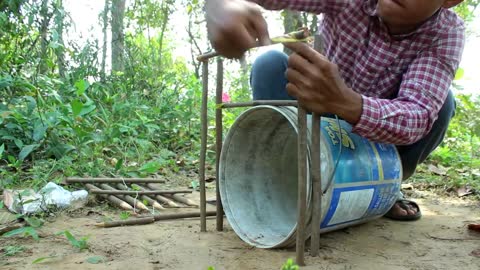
(440,240)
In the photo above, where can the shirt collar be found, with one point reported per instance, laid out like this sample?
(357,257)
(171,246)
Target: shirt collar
(370,8)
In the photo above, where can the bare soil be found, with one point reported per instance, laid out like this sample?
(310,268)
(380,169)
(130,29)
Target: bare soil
(440,240)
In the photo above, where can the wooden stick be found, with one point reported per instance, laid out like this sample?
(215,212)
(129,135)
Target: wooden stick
(302,185)
(151,219)
(10,227)
(162,199)
(113,180)
(219,141)
(175,197)
(112,191)
(130,222)
(183,215)
(204,57)
(296,36)
(150,201)
(181,199)
(316,186)
(116,201)
(258,103)
(140,192)
(316,171)
(203,150)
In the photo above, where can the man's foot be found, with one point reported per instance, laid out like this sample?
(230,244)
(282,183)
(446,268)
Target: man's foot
(404,210)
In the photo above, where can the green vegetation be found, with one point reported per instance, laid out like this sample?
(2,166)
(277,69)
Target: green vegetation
(63,114)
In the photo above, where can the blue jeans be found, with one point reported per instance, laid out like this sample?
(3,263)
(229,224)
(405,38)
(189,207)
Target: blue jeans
(268,83)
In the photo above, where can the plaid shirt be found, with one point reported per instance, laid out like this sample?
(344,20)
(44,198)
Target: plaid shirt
(403,79)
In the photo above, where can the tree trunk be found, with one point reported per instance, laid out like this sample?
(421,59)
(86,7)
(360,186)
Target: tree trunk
(104,32)
(60,51)
(166,9)
(43,36)
(118,38)
(292,21)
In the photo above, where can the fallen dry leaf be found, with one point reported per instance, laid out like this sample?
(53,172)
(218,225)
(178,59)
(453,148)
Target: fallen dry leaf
(439,170)
(474,227)
(407,186)
(475,253)
(464,191)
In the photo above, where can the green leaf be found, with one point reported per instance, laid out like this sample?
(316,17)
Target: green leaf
(118,165)
(96,259)
(81,86)
(34,222)
(2,149)
(39,260)
(77,107)
(26,150)
(71,239)
(39,131)
(1,205)
(459,74)
(26,231)
(151,167)
(32,104)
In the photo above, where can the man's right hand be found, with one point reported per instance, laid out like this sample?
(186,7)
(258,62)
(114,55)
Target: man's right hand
(234,26)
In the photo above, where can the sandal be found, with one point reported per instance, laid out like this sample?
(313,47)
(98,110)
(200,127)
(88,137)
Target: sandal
(403,203)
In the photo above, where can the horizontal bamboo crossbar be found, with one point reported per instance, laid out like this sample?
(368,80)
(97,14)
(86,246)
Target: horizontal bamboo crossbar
(258,103)
(113,180)
(140,192)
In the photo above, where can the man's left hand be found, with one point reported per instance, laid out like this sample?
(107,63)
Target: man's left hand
(318,86)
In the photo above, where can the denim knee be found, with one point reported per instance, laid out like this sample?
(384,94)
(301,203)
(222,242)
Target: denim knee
(267,77)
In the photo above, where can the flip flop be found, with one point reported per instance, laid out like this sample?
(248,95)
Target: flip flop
(404,204)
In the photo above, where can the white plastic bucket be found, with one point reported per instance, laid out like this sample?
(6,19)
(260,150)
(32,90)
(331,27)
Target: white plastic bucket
(258,176)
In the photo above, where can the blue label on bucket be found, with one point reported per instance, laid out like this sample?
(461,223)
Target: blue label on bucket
(359,161)
(350,204)
(391,166)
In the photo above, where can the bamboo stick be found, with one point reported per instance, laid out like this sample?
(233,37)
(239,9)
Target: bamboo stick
(219,140)
(302,185)
(151,219)
(316,186)
(116,201)
(144,192)
(112,191)
(160,198)
(293,103)
(160,217)
(150,201)
(316,171)
(10,227)
(183,200)
(203,150)
(113,180)
(130,222)
(300,35)
(204,57)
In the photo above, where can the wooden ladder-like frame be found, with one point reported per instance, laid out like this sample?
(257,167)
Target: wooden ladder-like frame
(302,158)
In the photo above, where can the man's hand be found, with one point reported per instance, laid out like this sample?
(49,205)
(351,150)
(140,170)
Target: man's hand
(234,26)
(317,85)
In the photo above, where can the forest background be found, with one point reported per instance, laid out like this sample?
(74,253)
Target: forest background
(112,88)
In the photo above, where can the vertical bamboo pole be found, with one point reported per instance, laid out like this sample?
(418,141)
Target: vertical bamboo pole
(316,186)
(219,140)
(302,185)
(316,172)
(203,150)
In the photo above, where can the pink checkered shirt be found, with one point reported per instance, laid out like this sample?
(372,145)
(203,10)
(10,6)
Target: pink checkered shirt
(404,79)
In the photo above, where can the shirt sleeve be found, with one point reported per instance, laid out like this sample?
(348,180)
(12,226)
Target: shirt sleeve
(423,90)
(314,6)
